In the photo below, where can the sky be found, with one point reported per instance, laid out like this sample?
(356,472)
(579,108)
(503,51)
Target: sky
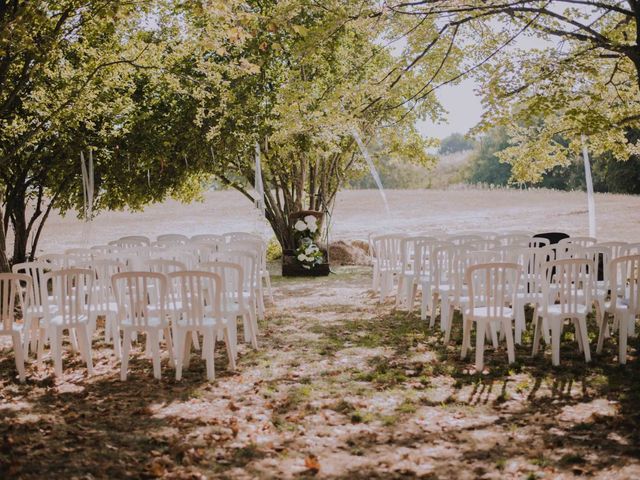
(464,107)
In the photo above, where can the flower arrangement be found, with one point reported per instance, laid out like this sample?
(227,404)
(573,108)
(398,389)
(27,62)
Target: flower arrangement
(306,230)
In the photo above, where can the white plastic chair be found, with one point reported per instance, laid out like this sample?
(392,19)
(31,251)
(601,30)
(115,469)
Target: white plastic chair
(570,247)
(199,295)
(15,292)
(258,250)
(530,289)
(387,251)
(624,275)
(569,281)
(415,268)
(71,298)
(34,312)
(233,299)
(103,299)
(142,298)
(491,287)
(78,256)
(457,297)
(247,261)
(440,280)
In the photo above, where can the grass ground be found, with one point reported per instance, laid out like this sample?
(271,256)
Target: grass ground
(341,387)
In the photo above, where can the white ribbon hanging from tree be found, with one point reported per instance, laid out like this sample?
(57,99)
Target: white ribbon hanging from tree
(88,183)
(372,167)
(591,203)
(258,185)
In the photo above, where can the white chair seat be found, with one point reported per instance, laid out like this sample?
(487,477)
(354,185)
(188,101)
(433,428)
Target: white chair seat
(58,320)
(483,312)
(152,322)
(556,310)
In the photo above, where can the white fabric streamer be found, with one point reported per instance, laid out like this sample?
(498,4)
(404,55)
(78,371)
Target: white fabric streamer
(591,203)
(372,167)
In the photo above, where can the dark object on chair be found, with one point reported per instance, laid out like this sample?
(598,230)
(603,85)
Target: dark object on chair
(554,237)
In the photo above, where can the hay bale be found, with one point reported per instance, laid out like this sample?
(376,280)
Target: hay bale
(348,253)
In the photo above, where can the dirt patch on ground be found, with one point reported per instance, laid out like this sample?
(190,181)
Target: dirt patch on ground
(341,387)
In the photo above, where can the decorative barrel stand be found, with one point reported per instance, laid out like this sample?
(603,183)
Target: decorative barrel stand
(305,234)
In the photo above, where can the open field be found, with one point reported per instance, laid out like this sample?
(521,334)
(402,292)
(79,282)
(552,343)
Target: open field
(359,212)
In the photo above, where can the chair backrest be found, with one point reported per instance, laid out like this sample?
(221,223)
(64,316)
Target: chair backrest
(630,249)
(465,239)
(462,261)
(582,241)
(388,252)
(537,242)
(171,239)
(249,264)
(140,296)
(131,241)
(71,294)
(255,245)
(76,256)
(232,282)
(207,238)
(161,265)
(513,239)
(35,270)
(414,254)
(616,248)
(569,281)
(55,260)
(100,249)
(441,261)
(198,294)
(16,293)
(601,256)
(239,236)
(624,274)
(104,269)
(492,286)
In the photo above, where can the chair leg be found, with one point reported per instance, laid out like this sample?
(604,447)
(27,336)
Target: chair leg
(493,333)
(267,279)
(18,349)
(508,333)
(556,330)
(170,345)
(537,322)
(180,347)
(26,329)
(126,347)
(578,335)
(195,340)
(154,336)
(209,347)
(449,322)
(115,337)
(56,351)
(520,322)
(40,346)
(466,337)
(230,349)
(622,340)
(480,332)
(602,333)
(423,304)
(85,346)
(73,338)
(432,309)
(546,331)
(247,324)
(582,323)
(186,349)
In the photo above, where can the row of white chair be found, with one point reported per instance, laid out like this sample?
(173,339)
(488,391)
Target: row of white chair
(440,268)
(47,307)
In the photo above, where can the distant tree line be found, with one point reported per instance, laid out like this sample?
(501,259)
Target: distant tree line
(609,174)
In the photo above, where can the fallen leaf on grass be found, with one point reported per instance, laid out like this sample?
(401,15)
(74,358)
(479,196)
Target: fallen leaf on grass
(312,463)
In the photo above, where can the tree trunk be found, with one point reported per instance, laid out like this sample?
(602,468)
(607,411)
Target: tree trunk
(4,261)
